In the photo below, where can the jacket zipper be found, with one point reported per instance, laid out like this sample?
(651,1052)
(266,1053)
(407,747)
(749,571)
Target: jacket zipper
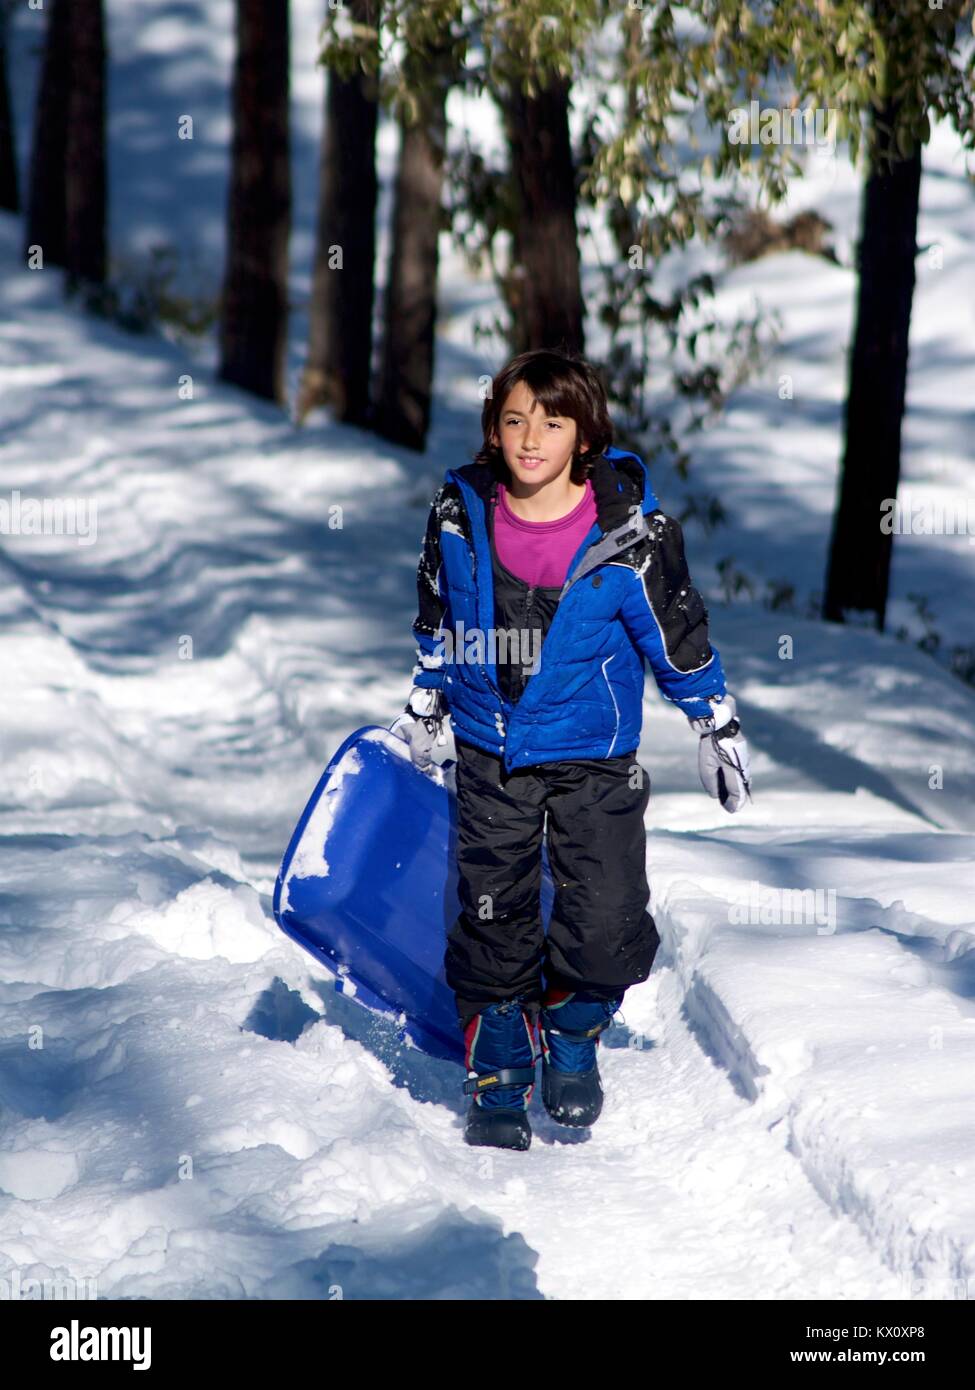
(528,613)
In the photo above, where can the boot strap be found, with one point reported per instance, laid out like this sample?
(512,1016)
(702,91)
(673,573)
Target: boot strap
(582,1033)
(504,1076)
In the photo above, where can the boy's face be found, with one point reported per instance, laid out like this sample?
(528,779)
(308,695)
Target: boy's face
(536,447)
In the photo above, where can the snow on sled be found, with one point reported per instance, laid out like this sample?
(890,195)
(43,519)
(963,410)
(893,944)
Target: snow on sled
(368,884)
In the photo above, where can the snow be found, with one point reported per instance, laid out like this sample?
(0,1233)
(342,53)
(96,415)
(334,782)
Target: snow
(309,857)
(191,1106)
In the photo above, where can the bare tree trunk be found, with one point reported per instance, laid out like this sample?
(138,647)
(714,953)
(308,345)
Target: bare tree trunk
(546,294)
(254,310)
(9,190)
(337,370)
(858,575)
(406,380)
(84,161)
(46,195)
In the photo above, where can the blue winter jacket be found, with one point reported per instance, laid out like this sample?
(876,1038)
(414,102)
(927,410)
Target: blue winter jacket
(627,599)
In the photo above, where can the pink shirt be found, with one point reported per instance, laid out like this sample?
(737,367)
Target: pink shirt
(540,552)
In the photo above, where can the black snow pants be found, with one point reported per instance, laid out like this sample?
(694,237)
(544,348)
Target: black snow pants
(601,937)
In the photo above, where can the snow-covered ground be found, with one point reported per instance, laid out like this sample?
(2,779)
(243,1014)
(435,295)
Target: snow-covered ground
(188,1107)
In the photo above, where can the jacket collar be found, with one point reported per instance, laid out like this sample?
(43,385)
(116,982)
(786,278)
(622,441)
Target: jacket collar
(620,481)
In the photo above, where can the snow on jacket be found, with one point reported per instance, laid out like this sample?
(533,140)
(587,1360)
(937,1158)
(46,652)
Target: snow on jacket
(627,600)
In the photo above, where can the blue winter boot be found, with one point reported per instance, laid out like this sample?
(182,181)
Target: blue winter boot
(500,1055)
(570,1026)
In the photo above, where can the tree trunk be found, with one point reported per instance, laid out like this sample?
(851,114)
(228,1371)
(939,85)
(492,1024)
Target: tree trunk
(406,379)
(858,574)
(545,291)
(84,159)
(9,192)
(45,199)
(337,370)
(254,306)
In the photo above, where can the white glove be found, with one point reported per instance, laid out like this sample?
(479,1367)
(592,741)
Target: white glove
(722,759)
(421,726)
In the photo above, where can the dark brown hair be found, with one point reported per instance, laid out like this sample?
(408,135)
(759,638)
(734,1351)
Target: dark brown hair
(564,384)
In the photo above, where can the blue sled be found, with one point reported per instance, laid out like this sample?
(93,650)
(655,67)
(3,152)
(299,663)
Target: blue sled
(368,884)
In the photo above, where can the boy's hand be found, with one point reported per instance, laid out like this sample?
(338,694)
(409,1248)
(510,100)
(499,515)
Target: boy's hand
(421,726)
(722,759)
